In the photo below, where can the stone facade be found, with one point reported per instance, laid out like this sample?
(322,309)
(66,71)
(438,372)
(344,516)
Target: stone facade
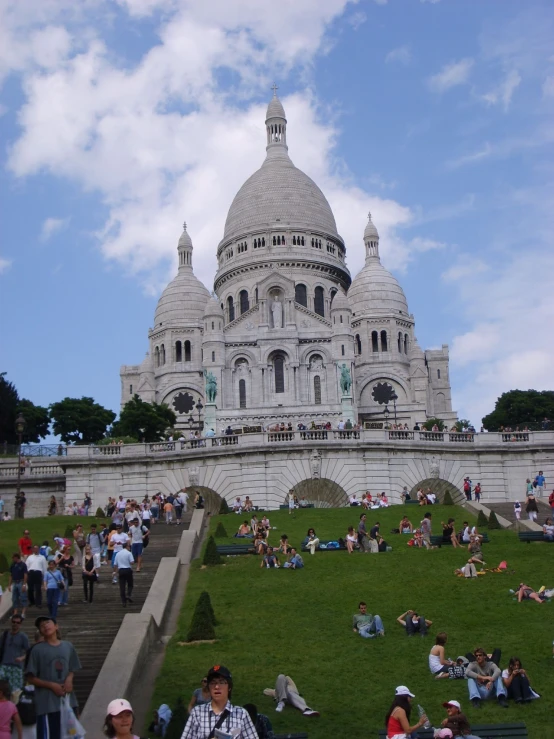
(285,320)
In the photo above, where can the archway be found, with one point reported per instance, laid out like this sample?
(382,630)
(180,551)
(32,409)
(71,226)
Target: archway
(439,487)
(322,493)
(212,500)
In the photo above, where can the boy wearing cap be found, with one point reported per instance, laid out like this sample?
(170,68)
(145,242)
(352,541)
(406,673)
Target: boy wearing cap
(52,664)
(457,721)
(219,714)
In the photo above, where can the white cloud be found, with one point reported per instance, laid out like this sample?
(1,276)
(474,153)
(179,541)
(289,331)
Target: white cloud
(465,267)
(548,86)
(51,226)
(433,2)
(5,264)
(451,75)
(423,245)
(502,94)
(476,156)
(356,20)
(401,54)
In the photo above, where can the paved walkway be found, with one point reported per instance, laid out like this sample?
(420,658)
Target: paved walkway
(507,509)
(93,627)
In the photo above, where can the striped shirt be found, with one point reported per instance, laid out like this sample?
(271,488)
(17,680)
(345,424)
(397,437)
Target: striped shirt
(203,719)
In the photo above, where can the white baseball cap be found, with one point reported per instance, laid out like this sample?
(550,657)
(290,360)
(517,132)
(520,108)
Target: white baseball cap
(452,703)
(403,690)
(118,706)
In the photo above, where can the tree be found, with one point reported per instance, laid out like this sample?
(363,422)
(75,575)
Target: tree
(142,420)
(206,602)
(462,424)
(493,522)
(482,520)
(211,555)
(9,399)
(221,531)
(80,420)
(428,425)
(447,500)
(37,421)
(224,507)
(201,627)
(521,408)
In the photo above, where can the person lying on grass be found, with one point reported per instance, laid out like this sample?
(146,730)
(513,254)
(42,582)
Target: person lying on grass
(285,691)
(525,592)
(414,623)
(365,624)
(270,559)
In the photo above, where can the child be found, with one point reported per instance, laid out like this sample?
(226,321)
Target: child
(517,510)
(418,538)
(8,713)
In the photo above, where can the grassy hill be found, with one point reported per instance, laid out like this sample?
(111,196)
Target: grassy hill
(299,623)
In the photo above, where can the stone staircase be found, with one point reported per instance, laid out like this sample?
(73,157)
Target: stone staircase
(93,628)
(506,509)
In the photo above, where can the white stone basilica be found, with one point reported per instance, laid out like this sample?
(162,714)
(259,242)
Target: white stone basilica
(287,335)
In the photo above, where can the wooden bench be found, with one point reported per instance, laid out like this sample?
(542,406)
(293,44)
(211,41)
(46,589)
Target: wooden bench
(530,536)
(285,507)
(483,731)
(323,547)
(411,501)
(301,735)
(226,549)
(438,541)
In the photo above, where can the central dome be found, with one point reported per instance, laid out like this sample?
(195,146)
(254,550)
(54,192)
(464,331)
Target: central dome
(278,194)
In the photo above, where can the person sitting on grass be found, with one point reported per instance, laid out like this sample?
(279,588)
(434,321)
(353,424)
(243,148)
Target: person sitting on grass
(449,532)
(516,682)
(548,530)
(237,505)
(365,624)
(200,695)
(295,561)
(285,691)
(260,544)
(311,542)
(248,505)
(484,681)
(261,722)
(270,559)
(456,721)
(284,545)
(414,623)
(418,539)
(474,547)
(397,719)
(526,592)
(405,526)
(438,664)
(265,523)
(351,540)
(244,531)
(254,524)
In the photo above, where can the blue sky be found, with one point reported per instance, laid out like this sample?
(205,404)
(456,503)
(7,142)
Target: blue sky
(122,119)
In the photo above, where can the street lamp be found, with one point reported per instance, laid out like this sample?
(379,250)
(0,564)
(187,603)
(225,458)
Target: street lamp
(200,408)
(394,398)
(142,434)
(20,424)
(386,413)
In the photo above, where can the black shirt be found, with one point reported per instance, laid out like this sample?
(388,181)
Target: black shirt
(18,570)
(374,532)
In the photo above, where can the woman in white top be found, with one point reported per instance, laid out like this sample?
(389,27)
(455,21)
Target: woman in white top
(351,539)
(438,664)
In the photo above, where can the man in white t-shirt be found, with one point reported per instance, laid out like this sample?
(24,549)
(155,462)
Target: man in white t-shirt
(139,538)
(119,540)
(121,504)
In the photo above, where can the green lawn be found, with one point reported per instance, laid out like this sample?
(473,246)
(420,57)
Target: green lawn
(40,529)
(299,623)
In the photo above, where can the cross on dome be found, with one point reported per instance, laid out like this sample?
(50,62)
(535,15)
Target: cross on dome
(274,88)
(184,225)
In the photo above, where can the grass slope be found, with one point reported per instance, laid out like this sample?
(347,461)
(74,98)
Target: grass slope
(299,623)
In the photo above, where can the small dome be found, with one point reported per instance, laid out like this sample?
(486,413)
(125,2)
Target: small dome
(370,232)
(275,109)
(340,302)
(213,307)
(375,291)
(185,239)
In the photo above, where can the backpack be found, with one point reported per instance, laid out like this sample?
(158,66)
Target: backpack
(466,487)
(26,707)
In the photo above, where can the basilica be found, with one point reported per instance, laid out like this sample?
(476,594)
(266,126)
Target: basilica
(287,336)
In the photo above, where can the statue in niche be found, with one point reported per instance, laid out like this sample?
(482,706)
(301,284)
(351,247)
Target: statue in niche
(434,468)
(316,363)
(242,367)
(315,464)
(211,386)
(345,380)
(277,312)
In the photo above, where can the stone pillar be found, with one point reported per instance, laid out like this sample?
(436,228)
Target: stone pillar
(210,419)
(347,409)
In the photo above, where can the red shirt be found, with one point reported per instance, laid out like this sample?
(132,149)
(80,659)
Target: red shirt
(25,546)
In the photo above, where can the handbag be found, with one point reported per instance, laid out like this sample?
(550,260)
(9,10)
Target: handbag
(71,727)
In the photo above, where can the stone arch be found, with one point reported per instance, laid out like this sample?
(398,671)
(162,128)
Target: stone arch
(368,383)
(439,487)
(241,353)
(212,500)
(323,493)
(306,355)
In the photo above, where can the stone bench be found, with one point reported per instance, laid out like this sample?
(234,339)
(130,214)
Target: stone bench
(226,549)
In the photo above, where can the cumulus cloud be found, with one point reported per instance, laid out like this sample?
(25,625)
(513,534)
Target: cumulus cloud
(451,75)
(401,54)
(51,226)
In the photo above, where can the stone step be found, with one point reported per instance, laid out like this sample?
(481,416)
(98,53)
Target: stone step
(93,627)
(506,509)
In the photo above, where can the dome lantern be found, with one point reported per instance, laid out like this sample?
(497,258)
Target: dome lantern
(371,240)
(184,250)
(276,126)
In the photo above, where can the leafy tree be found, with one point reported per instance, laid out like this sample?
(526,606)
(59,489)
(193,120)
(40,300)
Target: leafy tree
(221,531)
(462,424)
(521,408)
(211,555)
(428,425)
(4,566)
(37,421)
(141,420)
(100,513)
(493,522)
(447,499)
(80,420)
(11,405)
(224,507)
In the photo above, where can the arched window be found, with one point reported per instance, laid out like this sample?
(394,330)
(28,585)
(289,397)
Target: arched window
(279,372)
(317,390)
(405,343)
(374,341)
(440,403)
(230,309)
(319,303)
(242,394)
(333,293)
(244,303)
(342,349)
(400,343)
(384,345)
(157,356)
(213,325)
(213,356)
(301,295)
(358,344)
(438,374)
(274,241)
(162,354)
(256,295)
(178,351)
(187,351)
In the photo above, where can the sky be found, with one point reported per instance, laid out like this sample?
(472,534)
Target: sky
(120,119)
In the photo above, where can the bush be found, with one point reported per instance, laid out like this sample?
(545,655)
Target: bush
(221,532)
(211,556)
(201,627)
(100,513)
(428,425)
(447,499)
(207,605)
(4,565)
(178,721)
(68,533)
(223,508)
(493,522)
(482,520)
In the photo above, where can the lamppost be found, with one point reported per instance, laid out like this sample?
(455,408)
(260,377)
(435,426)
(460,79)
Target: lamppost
(200,408)
(386,413)
(142,434)
(394,398)
(20,428)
